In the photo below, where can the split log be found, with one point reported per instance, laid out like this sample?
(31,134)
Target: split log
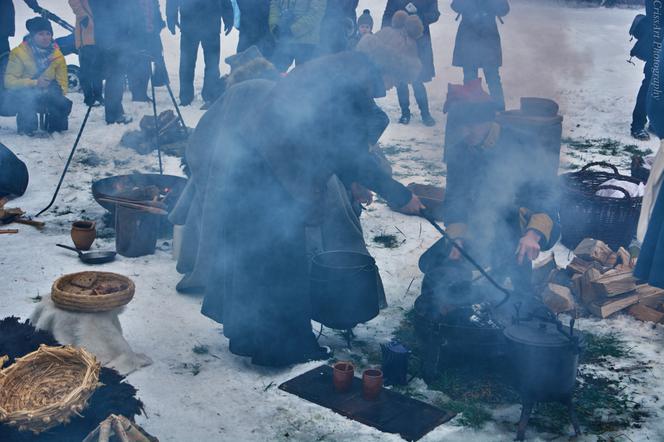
(593,250)
(587,292)
(558,298)
(624,259)
(607,307)
(614,283)
(646,314)
(644,294)
(612,260)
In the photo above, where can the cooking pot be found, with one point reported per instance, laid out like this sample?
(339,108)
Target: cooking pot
(344,289)
(544,356)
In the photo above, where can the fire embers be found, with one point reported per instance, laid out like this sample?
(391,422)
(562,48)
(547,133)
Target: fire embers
(482,316)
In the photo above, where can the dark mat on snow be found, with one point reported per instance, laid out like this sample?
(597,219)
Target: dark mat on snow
(392,412)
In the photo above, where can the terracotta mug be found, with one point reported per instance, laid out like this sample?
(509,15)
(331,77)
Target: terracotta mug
(372,383)
(342,376)
(83,233)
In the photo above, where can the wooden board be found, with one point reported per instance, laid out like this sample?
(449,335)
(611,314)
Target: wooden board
(392,412)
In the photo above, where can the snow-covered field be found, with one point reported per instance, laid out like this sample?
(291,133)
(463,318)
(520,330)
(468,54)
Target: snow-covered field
(574,55)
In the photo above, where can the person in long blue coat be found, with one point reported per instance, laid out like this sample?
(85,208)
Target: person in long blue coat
(478,42)
(650,265)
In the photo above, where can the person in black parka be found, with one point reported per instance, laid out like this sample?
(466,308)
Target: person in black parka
(644,49)
(427,11)
(7,25)
(200,24)
(115,24)
(478,43)
(148,48)
(254,26)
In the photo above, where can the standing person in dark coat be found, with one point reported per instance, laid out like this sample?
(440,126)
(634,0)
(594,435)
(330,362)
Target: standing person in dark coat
(114,26)
(200,24)
(89,57)
(7,26)
(270,176)
(148,48)
(427,11)
(643,49)
(254,26)
(338,26)
(478,42)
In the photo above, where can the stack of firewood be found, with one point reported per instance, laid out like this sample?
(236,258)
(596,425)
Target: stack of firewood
(600,281)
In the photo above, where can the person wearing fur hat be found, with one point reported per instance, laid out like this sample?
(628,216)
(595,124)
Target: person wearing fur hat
(276,146)
(477,43)
(428,13)
(496,203)
(36,80)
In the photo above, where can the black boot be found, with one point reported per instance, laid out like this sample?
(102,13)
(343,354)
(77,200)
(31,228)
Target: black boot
(405,118)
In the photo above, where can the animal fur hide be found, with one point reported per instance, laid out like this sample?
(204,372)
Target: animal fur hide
(114,396)
(99,333)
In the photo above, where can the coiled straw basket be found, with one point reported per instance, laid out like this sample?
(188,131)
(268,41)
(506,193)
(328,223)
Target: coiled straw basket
(45,388)
(65,297)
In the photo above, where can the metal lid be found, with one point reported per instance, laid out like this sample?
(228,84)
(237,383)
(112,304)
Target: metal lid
(538,333)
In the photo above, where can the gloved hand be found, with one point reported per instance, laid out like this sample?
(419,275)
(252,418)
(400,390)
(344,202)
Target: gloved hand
(85,22)
(411,8)
(172,23)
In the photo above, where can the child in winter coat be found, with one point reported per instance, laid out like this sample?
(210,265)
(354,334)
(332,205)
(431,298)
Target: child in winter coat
(364,27)
(36,80)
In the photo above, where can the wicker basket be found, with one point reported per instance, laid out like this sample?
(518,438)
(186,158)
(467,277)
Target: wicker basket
(584,214)
(45,388)
(87,296)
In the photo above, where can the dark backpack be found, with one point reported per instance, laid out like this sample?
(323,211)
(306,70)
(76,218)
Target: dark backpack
(641,31)
(13,173)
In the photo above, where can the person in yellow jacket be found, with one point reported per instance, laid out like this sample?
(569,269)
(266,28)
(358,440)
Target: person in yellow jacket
(89,55)
(36,80)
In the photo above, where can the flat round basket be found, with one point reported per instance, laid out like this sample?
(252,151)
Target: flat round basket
(45,388)
(92,292)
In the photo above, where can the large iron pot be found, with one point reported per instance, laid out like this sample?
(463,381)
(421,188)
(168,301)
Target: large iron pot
(344,289)
(545,359)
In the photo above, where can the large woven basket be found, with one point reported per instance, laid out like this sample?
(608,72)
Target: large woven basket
(45,388)
(584,214)
(69,293)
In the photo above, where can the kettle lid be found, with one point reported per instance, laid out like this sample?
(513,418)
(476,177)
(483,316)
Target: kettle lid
(538,333)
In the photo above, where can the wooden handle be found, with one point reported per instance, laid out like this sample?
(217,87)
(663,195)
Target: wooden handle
(8,231)
(144,208)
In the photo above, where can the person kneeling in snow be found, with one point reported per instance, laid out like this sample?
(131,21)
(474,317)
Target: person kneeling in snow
(498,205)
(36,80)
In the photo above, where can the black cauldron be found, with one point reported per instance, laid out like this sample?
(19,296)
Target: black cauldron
(344,289)
(544,358)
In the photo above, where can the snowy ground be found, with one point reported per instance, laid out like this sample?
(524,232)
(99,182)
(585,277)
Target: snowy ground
(576,56)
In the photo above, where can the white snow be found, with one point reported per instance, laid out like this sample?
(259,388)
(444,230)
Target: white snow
(574,55)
